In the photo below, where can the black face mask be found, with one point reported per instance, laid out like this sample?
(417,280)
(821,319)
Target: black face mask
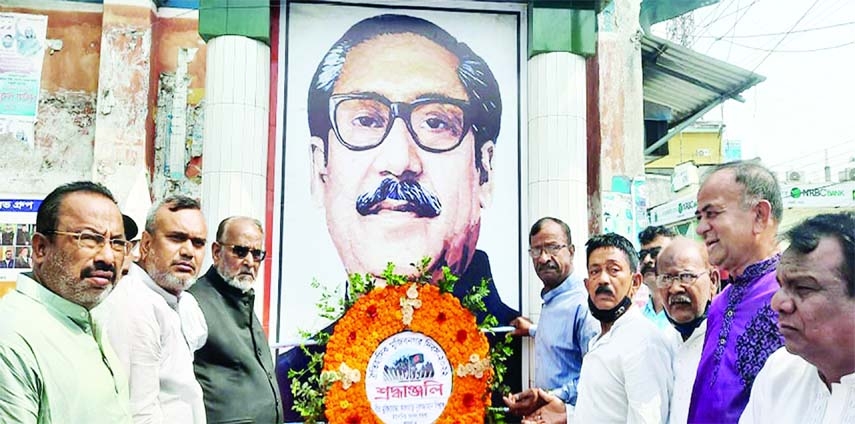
(686,329)
(610,315)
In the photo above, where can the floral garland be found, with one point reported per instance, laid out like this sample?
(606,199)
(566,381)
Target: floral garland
(417,307)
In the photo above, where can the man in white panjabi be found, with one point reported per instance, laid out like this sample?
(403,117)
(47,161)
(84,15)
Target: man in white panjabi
(812,380)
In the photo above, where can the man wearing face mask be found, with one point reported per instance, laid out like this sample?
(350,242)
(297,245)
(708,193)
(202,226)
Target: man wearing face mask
(234,367)
(626,376)
(686,282)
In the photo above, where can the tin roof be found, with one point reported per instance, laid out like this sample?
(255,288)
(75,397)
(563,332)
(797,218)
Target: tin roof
(687,82)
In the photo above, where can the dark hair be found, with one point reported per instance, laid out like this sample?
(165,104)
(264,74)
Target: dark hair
(474,74)
(221,229)
(647,235)
(613,240)
(174,204)
(759,183)
(805,236)
(48,214)
(539,226)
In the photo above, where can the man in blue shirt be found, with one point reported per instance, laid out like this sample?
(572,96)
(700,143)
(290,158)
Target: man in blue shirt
(565,325)
(653,239)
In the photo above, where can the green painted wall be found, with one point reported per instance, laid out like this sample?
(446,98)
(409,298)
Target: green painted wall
(249,18)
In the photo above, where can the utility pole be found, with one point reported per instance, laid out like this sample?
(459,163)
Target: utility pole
(827,168)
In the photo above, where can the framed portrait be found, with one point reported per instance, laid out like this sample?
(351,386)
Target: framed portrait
(402,134)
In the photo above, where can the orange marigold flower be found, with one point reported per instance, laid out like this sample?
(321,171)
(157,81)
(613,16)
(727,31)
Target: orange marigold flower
(355,338)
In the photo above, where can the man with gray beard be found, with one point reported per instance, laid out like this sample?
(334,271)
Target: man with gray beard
(154,324)
(234,367)
(55,366)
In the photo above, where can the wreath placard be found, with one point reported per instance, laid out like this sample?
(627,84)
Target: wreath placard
(408,351)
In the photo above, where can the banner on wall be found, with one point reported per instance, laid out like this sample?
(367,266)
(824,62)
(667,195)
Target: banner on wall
(22,41)
(17,225)
(618,212)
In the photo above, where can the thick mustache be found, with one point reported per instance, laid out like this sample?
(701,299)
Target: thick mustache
(679,298)
(645,268)
(98,266)
(604,289)
(549,265)
(418,200)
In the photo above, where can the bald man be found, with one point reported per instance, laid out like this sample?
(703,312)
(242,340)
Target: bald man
(686,282)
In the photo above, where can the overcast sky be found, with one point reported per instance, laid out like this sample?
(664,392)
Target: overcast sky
(805,106)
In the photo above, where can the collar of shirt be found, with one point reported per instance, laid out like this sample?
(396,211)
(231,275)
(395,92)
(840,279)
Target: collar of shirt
(756,270)
(28,286)
(193,324)
(225,289)
(568,284)
(632,314)
(171,299)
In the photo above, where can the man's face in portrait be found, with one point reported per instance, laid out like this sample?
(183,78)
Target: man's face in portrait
(399,180)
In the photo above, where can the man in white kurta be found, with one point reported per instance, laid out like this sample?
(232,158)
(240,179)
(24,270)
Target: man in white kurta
(685,281)
(812,379)
(146,329)
(687,355)
(790,390)
(626,375)
(155,325)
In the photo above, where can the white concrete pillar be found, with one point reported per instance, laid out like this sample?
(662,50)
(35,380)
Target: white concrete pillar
(234,168)
(557,155)
(234,153)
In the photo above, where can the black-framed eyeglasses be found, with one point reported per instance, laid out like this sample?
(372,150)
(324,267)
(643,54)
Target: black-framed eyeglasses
(686,279)
(653,252)
(551,250)
(362,121)
(94,241)
(258,255)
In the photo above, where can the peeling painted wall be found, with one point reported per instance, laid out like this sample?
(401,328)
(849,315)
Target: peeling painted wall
(178,50)
(187,180)
(64,132)
(123,97)
(621,93)
(63,147)
(111,61)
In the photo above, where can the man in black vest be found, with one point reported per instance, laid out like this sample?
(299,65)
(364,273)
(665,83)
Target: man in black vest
(234,367)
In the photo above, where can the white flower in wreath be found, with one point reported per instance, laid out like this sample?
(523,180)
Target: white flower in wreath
(348,375)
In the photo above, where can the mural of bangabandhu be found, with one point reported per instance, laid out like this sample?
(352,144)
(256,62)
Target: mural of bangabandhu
(404,122)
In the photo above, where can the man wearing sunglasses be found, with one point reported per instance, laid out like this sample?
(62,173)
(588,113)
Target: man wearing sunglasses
(154,324)
(234,367)
(686,282)
(653,239)
(404,121)
(55,366)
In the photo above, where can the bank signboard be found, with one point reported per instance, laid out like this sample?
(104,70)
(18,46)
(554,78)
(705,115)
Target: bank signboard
(674,211)
(820,195)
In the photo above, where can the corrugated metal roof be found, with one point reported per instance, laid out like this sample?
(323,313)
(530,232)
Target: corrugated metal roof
(688,82)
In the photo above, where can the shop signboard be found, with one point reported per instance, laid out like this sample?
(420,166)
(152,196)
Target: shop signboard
(820,195)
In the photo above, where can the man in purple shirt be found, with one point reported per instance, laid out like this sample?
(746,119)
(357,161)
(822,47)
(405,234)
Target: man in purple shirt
(739,208)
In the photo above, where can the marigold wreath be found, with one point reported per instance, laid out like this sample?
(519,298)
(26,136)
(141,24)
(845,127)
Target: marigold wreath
(419,308)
